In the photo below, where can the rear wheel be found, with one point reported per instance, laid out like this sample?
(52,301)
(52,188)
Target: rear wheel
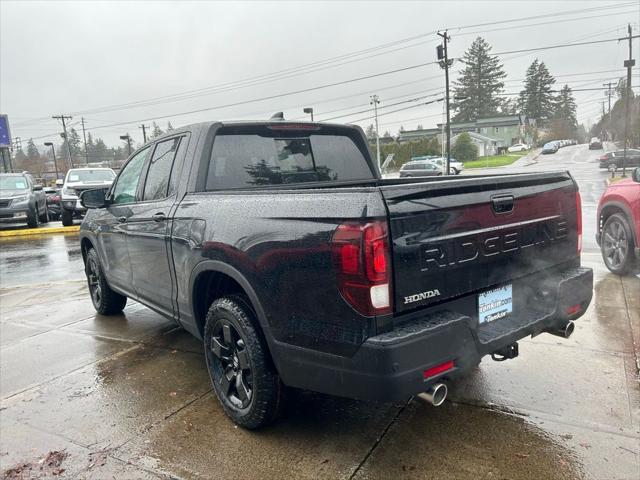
(243,375)
(67,218)
(105,300)
(617,245)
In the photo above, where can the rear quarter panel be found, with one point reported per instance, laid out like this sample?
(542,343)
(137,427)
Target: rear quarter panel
(279,241)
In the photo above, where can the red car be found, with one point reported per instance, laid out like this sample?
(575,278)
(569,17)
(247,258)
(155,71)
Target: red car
(619,225)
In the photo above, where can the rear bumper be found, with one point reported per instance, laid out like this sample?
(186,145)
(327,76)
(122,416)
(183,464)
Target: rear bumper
(390,366)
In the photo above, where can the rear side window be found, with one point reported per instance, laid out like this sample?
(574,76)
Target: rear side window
(250,159)
(158,184)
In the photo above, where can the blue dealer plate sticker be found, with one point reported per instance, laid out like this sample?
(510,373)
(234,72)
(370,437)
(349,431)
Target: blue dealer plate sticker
(495,304)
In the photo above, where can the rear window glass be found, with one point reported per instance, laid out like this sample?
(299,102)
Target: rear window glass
(90,176)
(247,159)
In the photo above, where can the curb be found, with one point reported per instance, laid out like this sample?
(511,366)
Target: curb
(39,231)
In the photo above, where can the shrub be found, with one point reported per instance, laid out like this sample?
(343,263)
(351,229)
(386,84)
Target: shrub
(464,149)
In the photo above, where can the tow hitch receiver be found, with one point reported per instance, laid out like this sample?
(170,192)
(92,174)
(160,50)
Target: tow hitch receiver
(505,353)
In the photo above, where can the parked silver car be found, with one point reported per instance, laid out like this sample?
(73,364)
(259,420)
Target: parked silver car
(77,181)
(22,200)
(420,168)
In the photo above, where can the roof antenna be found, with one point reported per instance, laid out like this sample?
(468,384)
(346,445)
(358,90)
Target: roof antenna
(277,116)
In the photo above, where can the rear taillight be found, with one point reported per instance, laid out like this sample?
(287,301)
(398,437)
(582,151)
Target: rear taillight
(363,268)
(579,220)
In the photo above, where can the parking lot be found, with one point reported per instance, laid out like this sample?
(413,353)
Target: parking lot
(87,396)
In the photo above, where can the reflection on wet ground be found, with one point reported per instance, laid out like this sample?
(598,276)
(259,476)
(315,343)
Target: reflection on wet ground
(48,258)
(129,396)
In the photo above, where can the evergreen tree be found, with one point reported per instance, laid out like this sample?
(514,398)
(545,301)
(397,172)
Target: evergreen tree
(91,148)
(479,83)
(75,144)
(102,154)
(33,154)
(566,107)
(537,99)
(370,132)
(156,131)
(169,127)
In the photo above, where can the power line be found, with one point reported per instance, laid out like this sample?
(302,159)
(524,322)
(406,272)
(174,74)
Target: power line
(271,76)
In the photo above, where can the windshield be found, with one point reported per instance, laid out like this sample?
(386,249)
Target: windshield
(90,176)
(13,183)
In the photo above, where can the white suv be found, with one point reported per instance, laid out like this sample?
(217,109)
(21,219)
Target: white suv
(76,181)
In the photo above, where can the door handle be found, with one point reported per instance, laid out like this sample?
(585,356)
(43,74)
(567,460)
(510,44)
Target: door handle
(122,219)
(159,217)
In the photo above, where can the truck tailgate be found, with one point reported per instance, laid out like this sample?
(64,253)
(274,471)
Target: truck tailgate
(456,236)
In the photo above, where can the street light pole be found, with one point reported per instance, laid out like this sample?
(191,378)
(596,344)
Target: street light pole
(66,137)
(444,55)
(375,100)
(55,162)
(127,138)
(309,110)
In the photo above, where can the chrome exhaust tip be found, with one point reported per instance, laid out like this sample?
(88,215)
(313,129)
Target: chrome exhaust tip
(436,394)
(565,331)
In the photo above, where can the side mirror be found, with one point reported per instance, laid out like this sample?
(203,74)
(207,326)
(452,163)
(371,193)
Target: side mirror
(95,198)
(636,175)
(37,188)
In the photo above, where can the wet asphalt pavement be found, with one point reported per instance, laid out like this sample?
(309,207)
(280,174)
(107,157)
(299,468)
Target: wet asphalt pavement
(129,396)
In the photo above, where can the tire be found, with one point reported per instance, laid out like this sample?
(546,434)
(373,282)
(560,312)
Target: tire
(33,219)
(67,218)
(105,300)
(617,245)
(44,218)
(241,371)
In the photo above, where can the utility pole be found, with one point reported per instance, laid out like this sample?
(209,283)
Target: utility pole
(84,135)
(375,100)
(629,65)
(65,136)
(144,132)
(443,56)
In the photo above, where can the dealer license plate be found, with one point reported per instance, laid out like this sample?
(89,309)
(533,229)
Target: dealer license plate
(495,304)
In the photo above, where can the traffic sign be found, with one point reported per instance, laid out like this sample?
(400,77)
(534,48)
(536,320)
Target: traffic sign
(5,133)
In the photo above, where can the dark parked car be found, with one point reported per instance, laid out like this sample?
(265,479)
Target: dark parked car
(420,168)
(551,147)
(619,225)
(22,200)
(617,159)
(279,245)
(53,202)
(595,144)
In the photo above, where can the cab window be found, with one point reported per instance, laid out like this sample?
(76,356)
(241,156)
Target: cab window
(127,183)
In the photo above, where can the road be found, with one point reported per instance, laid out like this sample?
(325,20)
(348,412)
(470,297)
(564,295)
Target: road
(129,396)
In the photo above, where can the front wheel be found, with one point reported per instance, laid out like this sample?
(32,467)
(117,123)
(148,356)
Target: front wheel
(105,300)
(617,245)
(44,218)
(33,219)
(243,375)
(67,218)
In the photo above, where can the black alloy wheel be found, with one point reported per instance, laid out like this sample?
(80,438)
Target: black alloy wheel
(105,300)
(230,363)
(243,375)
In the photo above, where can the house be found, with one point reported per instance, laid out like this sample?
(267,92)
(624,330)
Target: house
(486,145)
(507,128)
(412,135)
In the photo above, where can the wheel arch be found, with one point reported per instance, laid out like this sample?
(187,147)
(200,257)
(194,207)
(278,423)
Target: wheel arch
(211,280)
(611,208)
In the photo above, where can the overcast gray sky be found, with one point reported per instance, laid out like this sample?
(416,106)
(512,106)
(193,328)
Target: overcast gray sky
(96,59)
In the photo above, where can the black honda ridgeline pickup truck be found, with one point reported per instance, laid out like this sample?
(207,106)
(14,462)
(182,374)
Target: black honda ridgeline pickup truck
(282,248)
